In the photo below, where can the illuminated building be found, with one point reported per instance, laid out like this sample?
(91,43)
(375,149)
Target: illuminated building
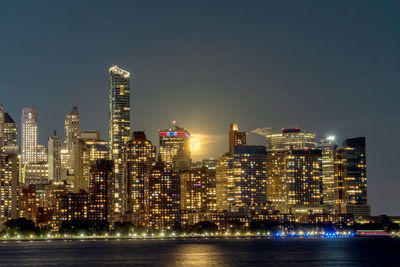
(224,182)
(54,157)
(29,133)
(249,177)
(72,128)
(35,173)
(28,203)
(65,158)
(236,138)
(327,148)
(139,157)
(198,190)
(303,173)
(86,151)
(41,153)
(290,139)
(52,204)
(210,163)
(101,190)
(181,161)
(74,206)
(351,179)
(163,198)
(282,171)
(10,131)
(340,172)
(1,126)
(277,186)
(119,127)
(9,186)
(171,140)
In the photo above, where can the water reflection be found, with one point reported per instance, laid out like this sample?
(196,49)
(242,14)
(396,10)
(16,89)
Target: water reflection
(198,255)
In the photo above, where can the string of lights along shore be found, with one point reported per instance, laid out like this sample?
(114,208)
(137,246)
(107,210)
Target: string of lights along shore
(82,176)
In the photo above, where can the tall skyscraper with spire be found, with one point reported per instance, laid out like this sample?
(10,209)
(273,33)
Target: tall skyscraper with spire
(29,134)
(119,127)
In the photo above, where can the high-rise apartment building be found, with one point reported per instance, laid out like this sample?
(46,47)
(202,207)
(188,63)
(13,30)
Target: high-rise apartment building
(72,129)
(10,131)
(9,186)
(171,140)
(1,126)
(163,198)
(328,147)
(249,177)
(119,127)
(303,173)
(54,157)
(224,182)
(277,184)
(198,190)
(351,179)
(85,152)
(279,173)
(29,135)
(139,158)
(236,138)
(101,191)
(290,139)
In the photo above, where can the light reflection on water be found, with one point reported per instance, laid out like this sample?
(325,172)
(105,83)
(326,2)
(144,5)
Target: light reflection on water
(202,252)
(198,255)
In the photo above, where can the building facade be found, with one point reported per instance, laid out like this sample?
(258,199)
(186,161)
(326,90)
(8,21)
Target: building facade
(101,191)
(54,157)
(139,158)
(29,135)
(171,140)
(72,129)
(119,127)
(236,138)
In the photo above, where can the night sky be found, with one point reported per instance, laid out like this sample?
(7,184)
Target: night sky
(330,67)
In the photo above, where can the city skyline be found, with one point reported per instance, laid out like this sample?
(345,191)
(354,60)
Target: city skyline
(199,95)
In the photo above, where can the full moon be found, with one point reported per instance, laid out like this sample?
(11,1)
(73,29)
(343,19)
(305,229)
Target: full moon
(194,144)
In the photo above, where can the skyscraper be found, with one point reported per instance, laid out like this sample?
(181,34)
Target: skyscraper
(119,127)
(171,140)
(10,131)
(194,190)
(29,133)
(327,147)
(1,126)
(163,198)
(101,190)
(236,138)
(277,184)
(9,186)
(351,179)
(85,152)
(281,175)
(54,157)
(72,129)
(241,179)
(303,174)
(140,156)
(224,182)
(290,139)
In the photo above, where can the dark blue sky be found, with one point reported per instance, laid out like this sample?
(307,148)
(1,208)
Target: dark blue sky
(326,66)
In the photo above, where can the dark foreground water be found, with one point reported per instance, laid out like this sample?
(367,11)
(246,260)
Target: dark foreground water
(204,252)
